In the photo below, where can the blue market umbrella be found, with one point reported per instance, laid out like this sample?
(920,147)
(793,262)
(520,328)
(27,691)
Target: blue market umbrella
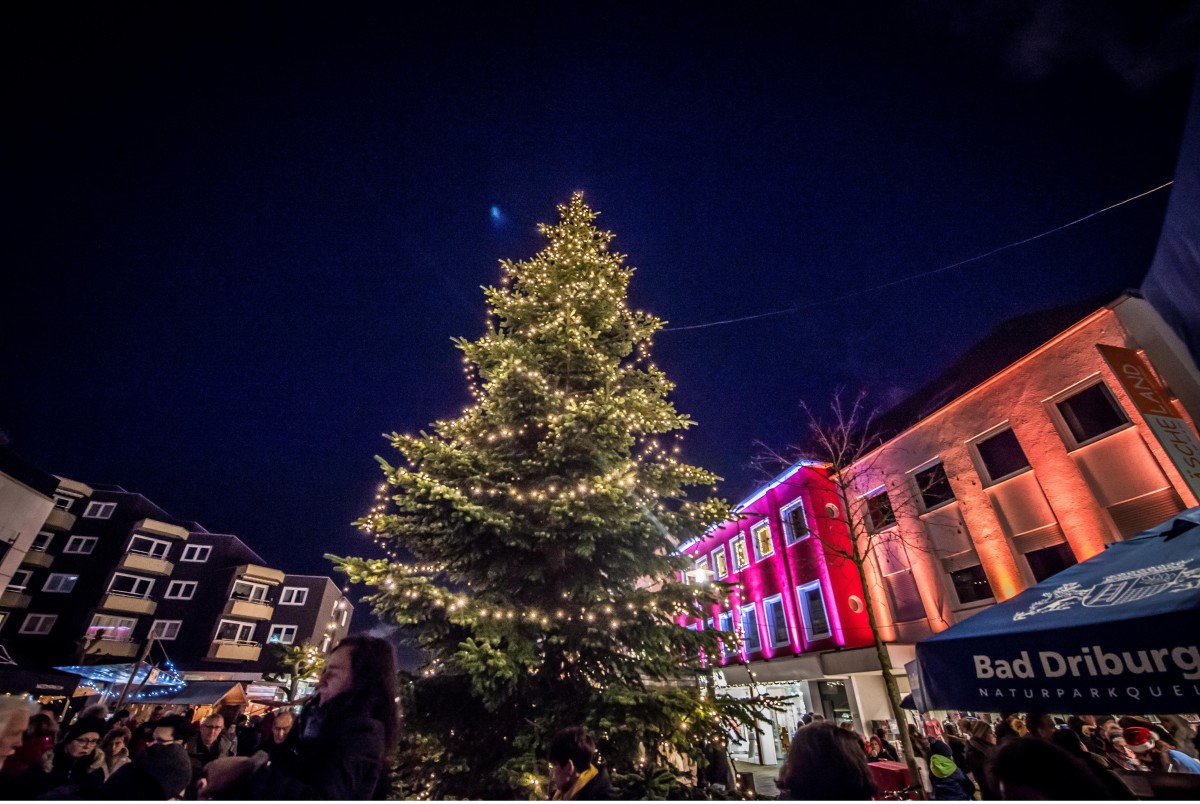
(1116,633)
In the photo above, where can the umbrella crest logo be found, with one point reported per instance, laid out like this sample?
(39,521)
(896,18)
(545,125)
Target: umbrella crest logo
(1125,587)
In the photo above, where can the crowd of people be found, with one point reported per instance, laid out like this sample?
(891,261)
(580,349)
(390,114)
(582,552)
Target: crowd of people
(336,747)
(1016,757)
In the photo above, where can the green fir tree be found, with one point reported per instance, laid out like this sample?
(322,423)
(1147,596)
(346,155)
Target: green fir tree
(543,523)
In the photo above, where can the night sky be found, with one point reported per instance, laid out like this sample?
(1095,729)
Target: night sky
(241,240)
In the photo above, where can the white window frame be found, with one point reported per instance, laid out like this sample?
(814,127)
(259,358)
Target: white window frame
(281,631)
(298,596)
(981,467)
(176,590)
(99,510)
(922,506)
(20,586)
(41,548)
(785,516)
(733,553)
(64,502)
(748,645)
(196,553)
(754,533)
(165,630)
(56,579)
(802,599)
(720,562)
(258,591)
(138,579)
(345,618)
(76,545)
(242,629)
(128,623)
(159,548)
(767,603)
(42,624)
(1060,421)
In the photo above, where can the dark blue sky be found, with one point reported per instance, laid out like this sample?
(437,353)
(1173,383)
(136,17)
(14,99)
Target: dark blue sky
(239,243)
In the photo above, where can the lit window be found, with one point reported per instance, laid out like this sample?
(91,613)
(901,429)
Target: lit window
(1091,413)
(111,628)
(181,590)
(751,637)
(39,624)
(293,596)
(60,582)
(720,562)
(234,631)
(933,486)
(777,629)
(99,510)
(880,514)
(1001,455)
(761,533)
(795,525)
(81,545)
(283,634)
(196,553)
(812,609)
(165,630)
(741,559)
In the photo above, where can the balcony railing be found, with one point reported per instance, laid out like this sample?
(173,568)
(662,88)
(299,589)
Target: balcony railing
(250,609)
(114,647)
(142,562)
(234,651)
(14,599)
(60,520)
(37,558)
(125,602)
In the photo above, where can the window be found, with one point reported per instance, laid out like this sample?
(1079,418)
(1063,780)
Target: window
(720,562)
(293,596)
(904,596)
(880,515)
(165,630)
(145,546)
(283,634)
(39,624)
(761,533)
(197,553)
(1050,560)
(933,486)
(41,542)
(812,609)
(1001,455)
(81,545)
(60,582)
(62,502)
(20,580)
(725,623)
(234,631)
(751,637)
(795,526)
(741,558)
(326,643)
(111,628)
(99,510)
(345,618)
(180,590)
(244,590)
(777,629)
(130,585)
(1091,413)
(971,584)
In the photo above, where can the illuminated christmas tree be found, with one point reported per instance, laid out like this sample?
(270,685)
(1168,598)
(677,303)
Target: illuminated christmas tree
(543,522)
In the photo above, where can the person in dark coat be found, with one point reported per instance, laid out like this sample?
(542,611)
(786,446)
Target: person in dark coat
(980,748)
(161,772)
(1030,769)
(574,774)
(74,769)
(1069,741)
(340,745)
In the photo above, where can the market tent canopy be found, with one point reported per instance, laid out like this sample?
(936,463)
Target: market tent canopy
(199,693)
(1116,633)
(16,681)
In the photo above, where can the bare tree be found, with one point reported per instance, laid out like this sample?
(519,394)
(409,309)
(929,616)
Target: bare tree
(845,441)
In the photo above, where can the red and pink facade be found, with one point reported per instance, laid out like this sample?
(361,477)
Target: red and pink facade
(790,596)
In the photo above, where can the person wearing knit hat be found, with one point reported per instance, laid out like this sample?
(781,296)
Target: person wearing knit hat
(1157,754)
(980,749)
(161,772)
(75,768)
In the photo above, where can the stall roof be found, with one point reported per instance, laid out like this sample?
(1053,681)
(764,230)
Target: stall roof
(199,693)
(115,674)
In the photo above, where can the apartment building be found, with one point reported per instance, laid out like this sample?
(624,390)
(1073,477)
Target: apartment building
(26,500)
(108,570)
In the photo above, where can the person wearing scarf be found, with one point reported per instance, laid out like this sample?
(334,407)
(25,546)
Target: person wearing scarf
(573,772)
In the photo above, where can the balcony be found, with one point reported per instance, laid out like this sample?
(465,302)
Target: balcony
(143,563)
(257,574)
(12,599)
(153,527)
(249,609)
(115,601)
(59,520)
(234,651)
(37,558)
(114,647)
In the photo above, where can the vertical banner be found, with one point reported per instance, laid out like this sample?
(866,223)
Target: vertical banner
(1171,430)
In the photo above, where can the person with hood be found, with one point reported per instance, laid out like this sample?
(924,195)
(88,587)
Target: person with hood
(115,746)
(980,748)
(574,774)
(75,768)
(949,782)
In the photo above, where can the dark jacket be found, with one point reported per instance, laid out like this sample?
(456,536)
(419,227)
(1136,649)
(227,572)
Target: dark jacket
(333,752)
(979,755)
(60,777)
(598,789)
